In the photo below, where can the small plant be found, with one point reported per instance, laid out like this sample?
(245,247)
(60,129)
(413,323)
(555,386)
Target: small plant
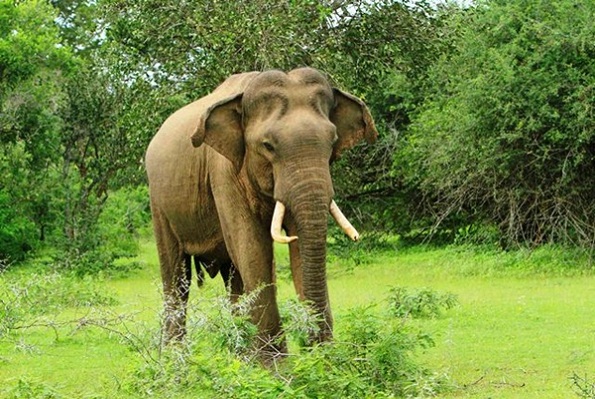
(420,303)
(231,328)
(27,389)
(371,357)
(23,299)
(583,387)
(299,321)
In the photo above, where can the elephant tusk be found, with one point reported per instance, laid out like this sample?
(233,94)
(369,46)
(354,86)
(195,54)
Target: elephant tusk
(276,225)
(343,222)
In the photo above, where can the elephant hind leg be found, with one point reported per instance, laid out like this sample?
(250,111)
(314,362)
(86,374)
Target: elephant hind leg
(175,275)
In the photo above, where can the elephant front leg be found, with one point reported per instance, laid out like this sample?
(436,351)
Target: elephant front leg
(250,247)
(259,286)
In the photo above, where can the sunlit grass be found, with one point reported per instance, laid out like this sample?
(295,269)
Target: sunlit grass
(520,331)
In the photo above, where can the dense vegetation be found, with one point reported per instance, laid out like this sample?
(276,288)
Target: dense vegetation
(485,111)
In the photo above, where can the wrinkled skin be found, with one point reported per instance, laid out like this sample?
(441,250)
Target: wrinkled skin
(216,168)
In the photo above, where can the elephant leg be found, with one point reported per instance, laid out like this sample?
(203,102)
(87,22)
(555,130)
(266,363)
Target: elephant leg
(251,252)
(175,276)
(265,312)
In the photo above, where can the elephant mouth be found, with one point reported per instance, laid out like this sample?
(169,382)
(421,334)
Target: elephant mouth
(334,210)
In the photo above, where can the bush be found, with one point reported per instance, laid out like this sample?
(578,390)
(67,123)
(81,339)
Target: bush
(584,387)
(28,389)
(420,303)
(111,236)
(18,233)
(506,133)
(24,299)
(372,356)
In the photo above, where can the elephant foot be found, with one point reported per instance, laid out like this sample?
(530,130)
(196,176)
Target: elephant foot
(271,350)
(174,327)
(173,335)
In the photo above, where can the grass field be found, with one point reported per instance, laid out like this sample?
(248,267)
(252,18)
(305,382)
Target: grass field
(524,324)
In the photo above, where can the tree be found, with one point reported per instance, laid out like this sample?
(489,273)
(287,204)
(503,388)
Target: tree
(32,65)
(507,134)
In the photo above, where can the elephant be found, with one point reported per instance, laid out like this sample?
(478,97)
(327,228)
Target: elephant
(228,172)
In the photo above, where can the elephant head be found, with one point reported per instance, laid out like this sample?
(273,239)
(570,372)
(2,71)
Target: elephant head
(281,132)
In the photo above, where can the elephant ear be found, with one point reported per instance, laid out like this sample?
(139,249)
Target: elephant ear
(353,121)
(220,127)
(218,118)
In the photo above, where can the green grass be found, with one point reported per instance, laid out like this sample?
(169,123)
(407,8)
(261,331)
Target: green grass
(509,338)
(525,323)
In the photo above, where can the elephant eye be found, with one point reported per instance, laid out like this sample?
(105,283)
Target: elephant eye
(268,146)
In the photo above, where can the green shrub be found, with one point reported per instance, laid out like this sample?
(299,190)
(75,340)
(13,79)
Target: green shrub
(371,356)
(583,387)
(506,132)
(111,236)
(28,389)
(18,233)
(299,321)
(25,298)
(419,303)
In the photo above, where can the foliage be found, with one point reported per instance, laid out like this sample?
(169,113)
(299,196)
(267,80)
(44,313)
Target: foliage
(419,303)
(17,231)
(68,130)
(382,53)
(506,133)
(27,389)
(31,62)
(25,300)
(28,38)
(299,322)
(373,356)
(112,236)
(584,387)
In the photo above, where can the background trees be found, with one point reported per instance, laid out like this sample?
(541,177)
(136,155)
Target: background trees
(485,112)
(506,134)
(32,68)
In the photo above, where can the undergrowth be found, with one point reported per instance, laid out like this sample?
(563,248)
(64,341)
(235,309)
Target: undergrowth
(583,386)
(35,300)
(373,354)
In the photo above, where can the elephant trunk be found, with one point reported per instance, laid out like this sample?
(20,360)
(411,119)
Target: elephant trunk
(312,247)
(309,203)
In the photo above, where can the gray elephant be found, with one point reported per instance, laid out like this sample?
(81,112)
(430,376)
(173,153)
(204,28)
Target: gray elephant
(228,172)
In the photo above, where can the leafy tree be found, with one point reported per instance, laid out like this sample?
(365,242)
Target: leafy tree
(507,133)
(98,144)
(382,51)
(32,62)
